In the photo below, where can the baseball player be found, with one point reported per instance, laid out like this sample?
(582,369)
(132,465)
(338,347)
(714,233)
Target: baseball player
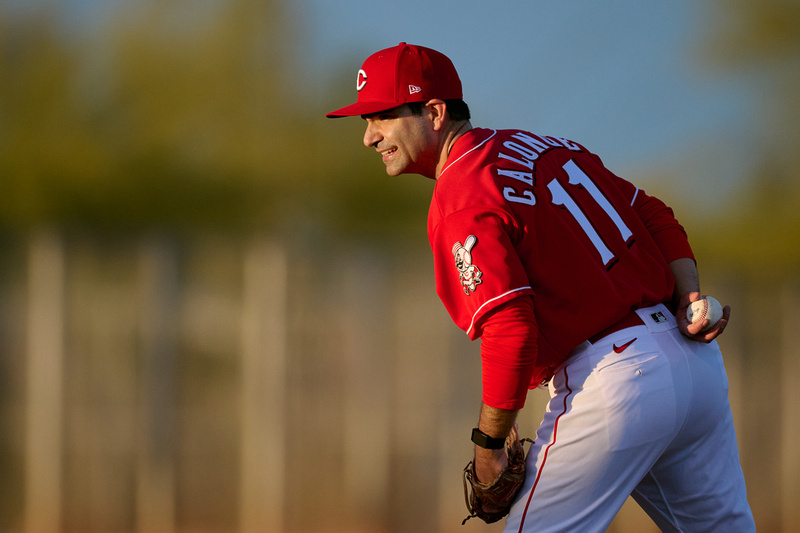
(575,279)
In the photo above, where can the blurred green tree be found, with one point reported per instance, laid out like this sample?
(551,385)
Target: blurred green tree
(762,42)
(180,116)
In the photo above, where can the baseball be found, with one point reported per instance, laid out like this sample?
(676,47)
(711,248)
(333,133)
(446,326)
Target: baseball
(706,307)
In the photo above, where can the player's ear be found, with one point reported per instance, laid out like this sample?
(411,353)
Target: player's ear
(437,110)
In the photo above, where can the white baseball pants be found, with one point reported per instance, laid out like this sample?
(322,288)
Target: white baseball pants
(652,421)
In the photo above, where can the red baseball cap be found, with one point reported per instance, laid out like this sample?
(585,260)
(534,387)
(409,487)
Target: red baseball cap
(399,75)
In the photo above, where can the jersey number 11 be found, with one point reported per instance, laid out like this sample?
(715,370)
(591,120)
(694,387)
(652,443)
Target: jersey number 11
(561,197)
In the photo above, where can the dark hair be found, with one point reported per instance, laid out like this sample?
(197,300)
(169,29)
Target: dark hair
(457,110)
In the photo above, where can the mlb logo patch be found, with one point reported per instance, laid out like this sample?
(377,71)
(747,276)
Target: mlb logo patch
(658,317)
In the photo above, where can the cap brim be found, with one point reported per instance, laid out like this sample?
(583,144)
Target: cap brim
(362,108)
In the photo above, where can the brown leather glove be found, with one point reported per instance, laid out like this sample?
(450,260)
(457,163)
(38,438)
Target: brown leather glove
(491,501)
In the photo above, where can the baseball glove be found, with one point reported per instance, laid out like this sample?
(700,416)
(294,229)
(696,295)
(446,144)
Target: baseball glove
(491,501)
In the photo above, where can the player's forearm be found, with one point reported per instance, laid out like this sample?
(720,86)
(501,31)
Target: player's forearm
(495,423)
(686,278)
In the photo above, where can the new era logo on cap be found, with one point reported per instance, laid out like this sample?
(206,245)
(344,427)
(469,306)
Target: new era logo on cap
(399,75)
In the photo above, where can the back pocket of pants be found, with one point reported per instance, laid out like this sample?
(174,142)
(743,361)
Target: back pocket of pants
(639,396)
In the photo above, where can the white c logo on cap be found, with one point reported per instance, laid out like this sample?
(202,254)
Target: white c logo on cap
(361,80)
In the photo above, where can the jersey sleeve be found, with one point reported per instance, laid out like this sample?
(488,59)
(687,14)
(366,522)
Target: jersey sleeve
(660,221)
(477,267)
(508,354)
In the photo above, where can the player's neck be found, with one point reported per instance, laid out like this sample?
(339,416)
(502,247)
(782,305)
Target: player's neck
(450,137)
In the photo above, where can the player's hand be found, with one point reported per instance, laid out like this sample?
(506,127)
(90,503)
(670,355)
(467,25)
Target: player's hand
(694,331)
(489,464)
(490,497)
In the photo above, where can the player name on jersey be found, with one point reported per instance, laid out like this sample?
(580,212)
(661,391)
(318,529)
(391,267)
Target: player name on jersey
(526,151)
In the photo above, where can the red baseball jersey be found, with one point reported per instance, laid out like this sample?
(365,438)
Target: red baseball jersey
(515,214)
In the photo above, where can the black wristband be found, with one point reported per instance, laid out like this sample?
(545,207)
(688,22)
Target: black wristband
(485,441)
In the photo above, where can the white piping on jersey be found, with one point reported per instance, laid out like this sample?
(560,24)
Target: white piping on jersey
(494,132)
(487,302)
(634,196)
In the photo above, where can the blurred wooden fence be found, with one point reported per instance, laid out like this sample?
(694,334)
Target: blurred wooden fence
(225,385)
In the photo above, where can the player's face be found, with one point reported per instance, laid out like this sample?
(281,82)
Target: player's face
(407,143)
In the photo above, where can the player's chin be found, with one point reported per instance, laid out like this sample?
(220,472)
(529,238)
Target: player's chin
(394,170)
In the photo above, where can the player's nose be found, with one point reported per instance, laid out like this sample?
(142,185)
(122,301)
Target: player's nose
(371,135)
